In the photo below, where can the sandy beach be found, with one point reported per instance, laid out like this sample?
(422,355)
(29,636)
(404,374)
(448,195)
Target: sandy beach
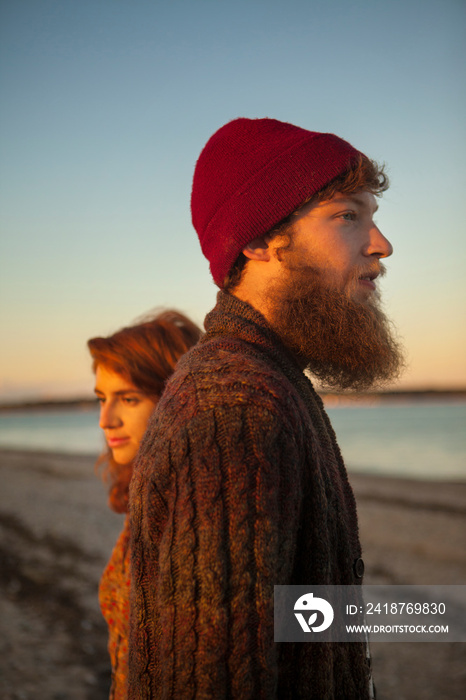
(56,534)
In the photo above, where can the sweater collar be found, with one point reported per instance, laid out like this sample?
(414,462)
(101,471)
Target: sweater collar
(236,318)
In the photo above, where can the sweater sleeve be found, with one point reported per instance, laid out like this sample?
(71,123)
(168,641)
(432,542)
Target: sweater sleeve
(215,514)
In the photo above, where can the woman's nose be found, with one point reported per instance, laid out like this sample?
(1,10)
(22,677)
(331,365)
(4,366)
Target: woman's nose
(109,417)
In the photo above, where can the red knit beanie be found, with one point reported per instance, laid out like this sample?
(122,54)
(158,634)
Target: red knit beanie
(252,174)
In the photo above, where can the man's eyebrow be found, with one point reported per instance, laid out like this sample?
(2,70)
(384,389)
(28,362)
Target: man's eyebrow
(349,199)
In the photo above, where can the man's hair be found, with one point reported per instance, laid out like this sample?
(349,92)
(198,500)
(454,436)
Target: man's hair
(364,174)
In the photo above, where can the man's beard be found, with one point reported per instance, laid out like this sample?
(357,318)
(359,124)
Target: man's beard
(345,343)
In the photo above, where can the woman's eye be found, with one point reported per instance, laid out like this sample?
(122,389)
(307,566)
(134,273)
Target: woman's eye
(131,401)
(100,399)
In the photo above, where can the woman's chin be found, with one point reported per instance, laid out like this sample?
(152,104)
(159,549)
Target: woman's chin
(123,455)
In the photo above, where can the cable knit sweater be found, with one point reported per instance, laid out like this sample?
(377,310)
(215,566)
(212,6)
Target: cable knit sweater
(239,486)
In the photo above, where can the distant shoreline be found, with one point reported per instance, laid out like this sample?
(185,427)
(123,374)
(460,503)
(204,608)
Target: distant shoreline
(84,404)
(330,399)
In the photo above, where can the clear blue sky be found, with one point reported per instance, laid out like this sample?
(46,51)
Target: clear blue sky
(105,106)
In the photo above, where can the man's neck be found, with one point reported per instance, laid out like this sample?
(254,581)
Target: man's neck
(253,297)
(258,300)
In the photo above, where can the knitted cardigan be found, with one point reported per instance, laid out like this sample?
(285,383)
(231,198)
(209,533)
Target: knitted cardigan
(114,591)
(239,486)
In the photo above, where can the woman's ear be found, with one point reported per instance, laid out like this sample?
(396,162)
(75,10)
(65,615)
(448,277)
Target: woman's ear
(257,249)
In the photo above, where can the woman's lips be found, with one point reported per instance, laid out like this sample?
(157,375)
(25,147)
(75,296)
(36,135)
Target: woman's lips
(114,442)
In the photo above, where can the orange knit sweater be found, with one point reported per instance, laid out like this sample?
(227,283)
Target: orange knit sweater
(114,603)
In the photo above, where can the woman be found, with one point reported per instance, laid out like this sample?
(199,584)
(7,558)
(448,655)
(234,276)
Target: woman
(131,368)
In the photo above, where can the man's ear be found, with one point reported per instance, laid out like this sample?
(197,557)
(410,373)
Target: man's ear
(258,249)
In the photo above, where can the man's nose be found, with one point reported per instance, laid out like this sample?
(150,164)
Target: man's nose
(109,417)
(378,245)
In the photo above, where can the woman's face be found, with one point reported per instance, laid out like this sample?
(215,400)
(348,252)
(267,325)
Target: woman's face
(124,413)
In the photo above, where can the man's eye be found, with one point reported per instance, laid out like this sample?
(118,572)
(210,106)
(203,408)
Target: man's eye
(100,399)
(348,215)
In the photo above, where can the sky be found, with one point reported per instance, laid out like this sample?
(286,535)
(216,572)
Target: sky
(105,107)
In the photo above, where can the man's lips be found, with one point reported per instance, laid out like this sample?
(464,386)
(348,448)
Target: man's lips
(113,442)
(368,279)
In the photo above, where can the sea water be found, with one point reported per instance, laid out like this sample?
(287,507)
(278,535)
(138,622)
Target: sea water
(420,440)
(68,430)
(415,440)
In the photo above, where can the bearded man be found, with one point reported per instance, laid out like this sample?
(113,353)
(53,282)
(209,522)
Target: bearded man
(240,484)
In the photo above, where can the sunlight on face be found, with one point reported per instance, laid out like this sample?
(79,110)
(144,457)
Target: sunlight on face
(340,238)
(124,413)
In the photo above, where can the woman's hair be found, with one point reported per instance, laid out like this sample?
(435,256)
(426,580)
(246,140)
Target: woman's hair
(145,354)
